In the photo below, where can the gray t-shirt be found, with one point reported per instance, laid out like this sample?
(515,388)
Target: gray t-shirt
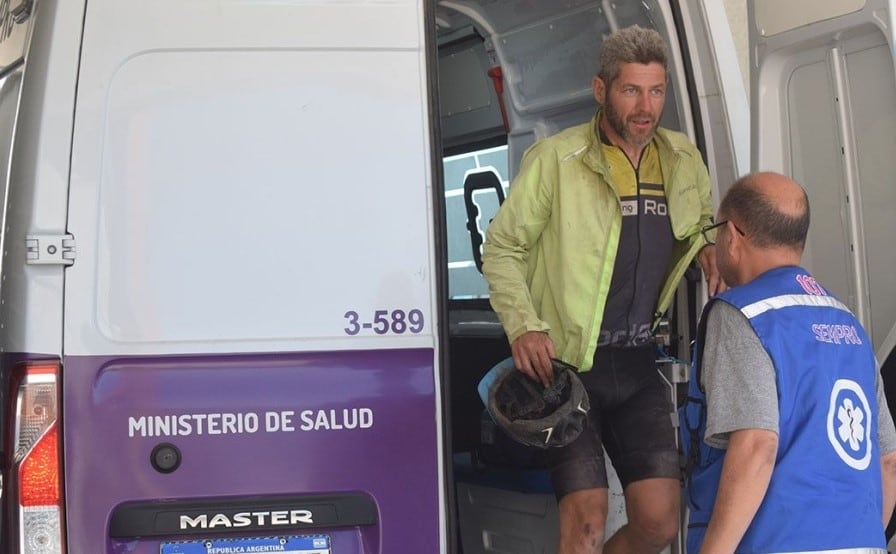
(739,379)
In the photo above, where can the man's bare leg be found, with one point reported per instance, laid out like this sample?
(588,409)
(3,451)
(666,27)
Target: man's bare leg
(583,515)
(652,507)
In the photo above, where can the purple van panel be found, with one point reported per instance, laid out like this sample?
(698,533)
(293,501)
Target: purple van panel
(282,424)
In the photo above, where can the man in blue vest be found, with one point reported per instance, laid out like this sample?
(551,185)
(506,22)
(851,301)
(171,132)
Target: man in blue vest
(789,443)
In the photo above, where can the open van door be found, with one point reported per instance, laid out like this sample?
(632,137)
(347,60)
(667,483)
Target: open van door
(823,94)
(249,353)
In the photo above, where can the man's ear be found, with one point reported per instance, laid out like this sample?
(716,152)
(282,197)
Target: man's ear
(600,90)
(732,242)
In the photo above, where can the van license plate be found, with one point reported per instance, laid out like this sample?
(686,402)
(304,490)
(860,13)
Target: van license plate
(317,544)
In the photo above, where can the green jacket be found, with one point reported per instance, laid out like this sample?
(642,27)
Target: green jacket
(549,252)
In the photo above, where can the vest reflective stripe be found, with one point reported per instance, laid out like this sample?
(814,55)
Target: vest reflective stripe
(787,300)
(827,453)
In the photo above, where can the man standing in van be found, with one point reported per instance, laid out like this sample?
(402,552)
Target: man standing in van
(789,440)
(581,259)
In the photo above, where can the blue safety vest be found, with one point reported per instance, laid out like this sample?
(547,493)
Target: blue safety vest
(825,491)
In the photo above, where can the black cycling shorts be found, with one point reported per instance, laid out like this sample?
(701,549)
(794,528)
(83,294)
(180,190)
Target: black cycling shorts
(631,414)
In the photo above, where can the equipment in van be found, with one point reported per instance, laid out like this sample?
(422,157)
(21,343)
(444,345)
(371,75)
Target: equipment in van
(531,413)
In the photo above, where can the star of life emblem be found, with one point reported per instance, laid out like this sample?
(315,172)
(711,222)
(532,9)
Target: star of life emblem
(849,424)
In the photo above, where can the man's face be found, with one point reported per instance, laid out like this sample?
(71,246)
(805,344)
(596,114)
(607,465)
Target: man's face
(633,102)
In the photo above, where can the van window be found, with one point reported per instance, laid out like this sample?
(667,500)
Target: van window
(464,279)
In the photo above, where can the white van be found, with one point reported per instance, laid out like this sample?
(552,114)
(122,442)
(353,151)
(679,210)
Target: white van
(240,305)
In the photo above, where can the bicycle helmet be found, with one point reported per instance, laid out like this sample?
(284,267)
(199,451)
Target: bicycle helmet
(530,413)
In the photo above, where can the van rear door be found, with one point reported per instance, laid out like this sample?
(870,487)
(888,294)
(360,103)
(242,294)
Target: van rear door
(249,352)
(823,98)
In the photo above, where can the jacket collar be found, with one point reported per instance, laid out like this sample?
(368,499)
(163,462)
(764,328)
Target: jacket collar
(594,156)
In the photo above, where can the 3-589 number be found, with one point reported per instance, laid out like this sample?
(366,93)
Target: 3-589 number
(385,321)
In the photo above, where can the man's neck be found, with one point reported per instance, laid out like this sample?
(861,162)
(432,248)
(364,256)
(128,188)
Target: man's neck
(766,260)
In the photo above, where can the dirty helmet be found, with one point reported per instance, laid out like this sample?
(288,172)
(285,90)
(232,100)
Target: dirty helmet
(530,413)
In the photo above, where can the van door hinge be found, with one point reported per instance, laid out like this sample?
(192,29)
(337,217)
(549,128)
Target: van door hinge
(50,249)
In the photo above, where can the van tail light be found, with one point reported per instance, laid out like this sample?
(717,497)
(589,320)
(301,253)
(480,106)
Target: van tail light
(37,459)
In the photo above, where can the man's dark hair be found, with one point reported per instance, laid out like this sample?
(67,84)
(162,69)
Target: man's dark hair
(762,222)
(631,45)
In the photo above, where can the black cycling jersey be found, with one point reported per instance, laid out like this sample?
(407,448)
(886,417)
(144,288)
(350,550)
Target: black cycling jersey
(645,248)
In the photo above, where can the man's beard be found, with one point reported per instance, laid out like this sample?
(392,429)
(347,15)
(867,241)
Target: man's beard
(617,124)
